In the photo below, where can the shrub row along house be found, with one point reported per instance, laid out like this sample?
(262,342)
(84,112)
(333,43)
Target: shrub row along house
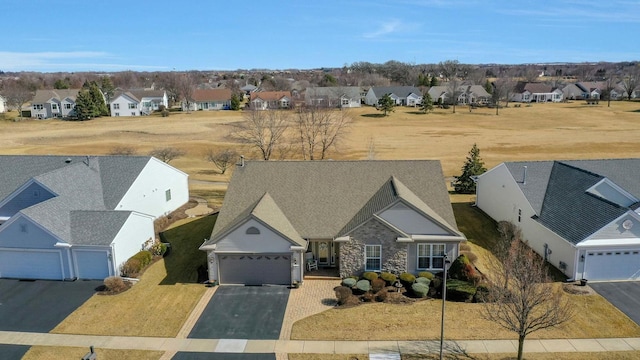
(581,216)
(81,217)
(353,216)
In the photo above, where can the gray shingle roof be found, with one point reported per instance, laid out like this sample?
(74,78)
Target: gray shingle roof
(319,198)
(352,92)
(42,96)
(557,191)
(96,227)
(80,184)
(400,91)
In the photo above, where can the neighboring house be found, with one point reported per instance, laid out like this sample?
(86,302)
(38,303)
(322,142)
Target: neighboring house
(353,216)
(59,103)
(401,95)
(209,99)
(573,92)
(536,92)
(334,96)
(80,217)
(263,100)
(138,102)
(467,94)
(3,104)
(248,89)
(581,216)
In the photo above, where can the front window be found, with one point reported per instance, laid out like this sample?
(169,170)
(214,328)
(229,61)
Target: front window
(373,257)
(431,256)
(67,106)
(54,106)
(132,106)
(116,106)
(345,102)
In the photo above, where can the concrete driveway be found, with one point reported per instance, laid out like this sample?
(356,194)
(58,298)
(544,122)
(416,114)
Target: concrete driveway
(221,356)
(39,306)
(623,295)
(243,312)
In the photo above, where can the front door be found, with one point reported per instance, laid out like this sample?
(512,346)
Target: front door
(324,253)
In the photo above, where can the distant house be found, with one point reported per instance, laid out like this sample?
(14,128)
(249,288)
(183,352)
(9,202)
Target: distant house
(248,89)
(264,100)
(334,96)
(138,102)
(401,95)
(59,103)
(536,92)
(573,92)
(77,217)
(467,94)
(209,99)
(3,104)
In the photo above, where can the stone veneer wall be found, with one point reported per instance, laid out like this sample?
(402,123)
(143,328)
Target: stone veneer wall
(373,232)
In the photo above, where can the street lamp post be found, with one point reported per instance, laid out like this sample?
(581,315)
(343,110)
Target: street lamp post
(444,299)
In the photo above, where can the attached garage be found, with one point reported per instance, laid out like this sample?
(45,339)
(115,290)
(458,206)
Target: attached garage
(31,264)
(92,264)
(612,265)
(255,269)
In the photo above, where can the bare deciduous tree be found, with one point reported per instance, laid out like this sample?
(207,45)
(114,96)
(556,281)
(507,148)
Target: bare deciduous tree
(223,160)
(320,129)
(503,89)
(122,150)
(521,297)
(263,130)
(630,82)
(186,86)
(166,154)
(453,72)
(17,93)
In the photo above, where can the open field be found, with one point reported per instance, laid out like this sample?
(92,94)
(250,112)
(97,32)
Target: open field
(62,352)
(536,132)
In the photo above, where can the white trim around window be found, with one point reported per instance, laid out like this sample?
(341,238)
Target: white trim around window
(430,256)
(373,257)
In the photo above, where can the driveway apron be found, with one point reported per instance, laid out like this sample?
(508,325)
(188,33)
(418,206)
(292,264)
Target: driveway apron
(624,295)
(243,312)
(39,306)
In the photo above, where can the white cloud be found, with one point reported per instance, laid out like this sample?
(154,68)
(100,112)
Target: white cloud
(385,29)
(62,61)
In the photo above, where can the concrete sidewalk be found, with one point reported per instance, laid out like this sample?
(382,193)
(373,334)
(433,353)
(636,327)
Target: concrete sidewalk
(319,347)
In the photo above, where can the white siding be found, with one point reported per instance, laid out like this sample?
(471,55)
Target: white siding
(130,239)
(500,197)
(265,242)
(3,104)
(120,107)
(411,222)
(148,194)
(370,98)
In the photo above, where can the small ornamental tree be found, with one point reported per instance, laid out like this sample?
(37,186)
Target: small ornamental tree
(427,103)
(474,166)
(386,104)
(235,102)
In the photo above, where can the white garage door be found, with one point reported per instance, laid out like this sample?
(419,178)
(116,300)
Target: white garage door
(31,264)
(255,269)
(612,265)
(92,264)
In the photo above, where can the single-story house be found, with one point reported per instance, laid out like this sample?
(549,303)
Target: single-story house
(334,96)
(581,216)
(58,103)
(467,94)
(138,102)
(77,217)
(209,99)
(263,100)
(402,95)
(536,92)
(352,216)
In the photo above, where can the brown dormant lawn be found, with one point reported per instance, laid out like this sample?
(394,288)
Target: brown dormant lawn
(63,352)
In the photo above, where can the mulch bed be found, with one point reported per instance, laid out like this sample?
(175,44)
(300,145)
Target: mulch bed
(577,289)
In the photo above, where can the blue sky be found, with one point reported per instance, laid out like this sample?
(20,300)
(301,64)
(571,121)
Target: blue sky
(160,35)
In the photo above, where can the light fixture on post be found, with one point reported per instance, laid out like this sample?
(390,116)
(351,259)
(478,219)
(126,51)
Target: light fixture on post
(444,299)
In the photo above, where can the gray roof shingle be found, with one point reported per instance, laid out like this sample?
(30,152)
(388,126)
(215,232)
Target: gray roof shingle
(319,198)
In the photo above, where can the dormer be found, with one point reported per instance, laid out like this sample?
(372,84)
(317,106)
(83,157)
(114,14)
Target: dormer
(611,192)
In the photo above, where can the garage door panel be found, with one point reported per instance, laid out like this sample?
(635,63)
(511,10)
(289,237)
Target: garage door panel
(612,265)
(255,269)
(92,265)
(22,264)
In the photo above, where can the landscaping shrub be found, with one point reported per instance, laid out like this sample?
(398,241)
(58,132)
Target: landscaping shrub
(389,278)
(158,249)
(471,256)
(352,300)
(461,291)
(377,285)
(363,285)
(370,275)
(381,295)
(368,296)
(420,290)
(349,282)
(423,280)
(145,257)
(426,274)
(407,280)
(115,284)
(482,294)
(462,269)
(342,294)
(131,268)
(465,247)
